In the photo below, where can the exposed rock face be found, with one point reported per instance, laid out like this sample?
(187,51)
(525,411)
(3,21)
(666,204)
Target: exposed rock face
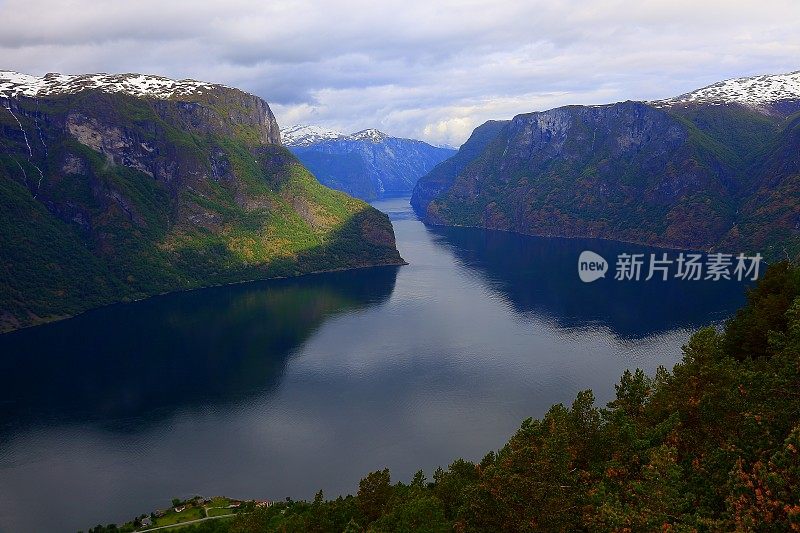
(225,112)
(367,164)
(692,172)
(119,187)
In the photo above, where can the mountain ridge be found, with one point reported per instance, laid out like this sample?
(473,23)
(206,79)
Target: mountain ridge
(367,164)
(15,84)
(305,134)
(762,92)
(689,173)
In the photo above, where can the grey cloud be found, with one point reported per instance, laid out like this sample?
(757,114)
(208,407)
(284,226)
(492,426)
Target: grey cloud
(414,68)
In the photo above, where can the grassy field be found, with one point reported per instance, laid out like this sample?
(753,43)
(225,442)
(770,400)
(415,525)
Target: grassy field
(188,514)
(220,511)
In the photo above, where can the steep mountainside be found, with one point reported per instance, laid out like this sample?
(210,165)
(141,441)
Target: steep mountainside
(712,169)
(441,177)
(115,187)
(769,213)
(367,164)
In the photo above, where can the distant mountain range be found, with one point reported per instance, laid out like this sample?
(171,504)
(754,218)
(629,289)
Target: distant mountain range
(117,187)
(367,164)
(714,169)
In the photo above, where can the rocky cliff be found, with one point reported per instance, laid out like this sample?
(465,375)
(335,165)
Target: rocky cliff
(714,169)
(116,187)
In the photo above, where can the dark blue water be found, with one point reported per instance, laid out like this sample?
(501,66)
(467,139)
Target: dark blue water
(275,389)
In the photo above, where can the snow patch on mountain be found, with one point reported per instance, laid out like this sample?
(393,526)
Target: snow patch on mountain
(370,134)
(14,84)
(756,92)
(301,135)
(304,135)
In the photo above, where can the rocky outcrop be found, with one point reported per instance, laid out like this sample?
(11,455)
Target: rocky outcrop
(225,112)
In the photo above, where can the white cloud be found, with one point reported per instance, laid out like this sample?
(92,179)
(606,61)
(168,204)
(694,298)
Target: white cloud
(430,70)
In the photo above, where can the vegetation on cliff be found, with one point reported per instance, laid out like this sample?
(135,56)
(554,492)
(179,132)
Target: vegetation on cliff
(109,197)
(699,176)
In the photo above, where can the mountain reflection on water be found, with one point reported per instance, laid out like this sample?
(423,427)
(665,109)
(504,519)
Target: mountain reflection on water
(538,275)
(181,350)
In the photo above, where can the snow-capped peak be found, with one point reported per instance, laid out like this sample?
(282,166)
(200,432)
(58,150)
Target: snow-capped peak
(14,84)
(304,135)
(369,134)
(756,91)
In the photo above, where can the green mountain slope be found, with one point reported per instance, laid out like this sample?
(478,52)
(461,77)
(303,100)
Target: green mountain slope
(624,171)
(769,218)
(109,196)
(705,175)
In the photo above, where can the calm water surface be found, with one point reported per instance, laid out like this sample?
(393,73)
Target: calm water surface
(277,389)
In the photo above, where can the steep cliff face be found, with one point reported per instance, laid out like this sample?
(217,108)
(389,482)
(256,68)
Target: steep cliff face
(624,171)
(691,172)
(120,187)
(442,176)
(367,164)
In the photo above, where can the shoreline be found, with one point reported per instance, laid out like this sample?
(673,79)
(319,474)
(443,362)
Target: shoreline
(574,237)
(400,263)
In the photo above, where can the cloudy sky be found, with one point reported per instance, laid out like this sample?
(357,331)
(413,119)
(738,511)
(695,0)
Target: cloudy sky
(427,69)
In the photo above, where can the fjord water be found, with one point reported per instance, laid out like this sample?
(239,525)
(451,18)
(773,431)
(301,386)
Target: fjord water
(276,389)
